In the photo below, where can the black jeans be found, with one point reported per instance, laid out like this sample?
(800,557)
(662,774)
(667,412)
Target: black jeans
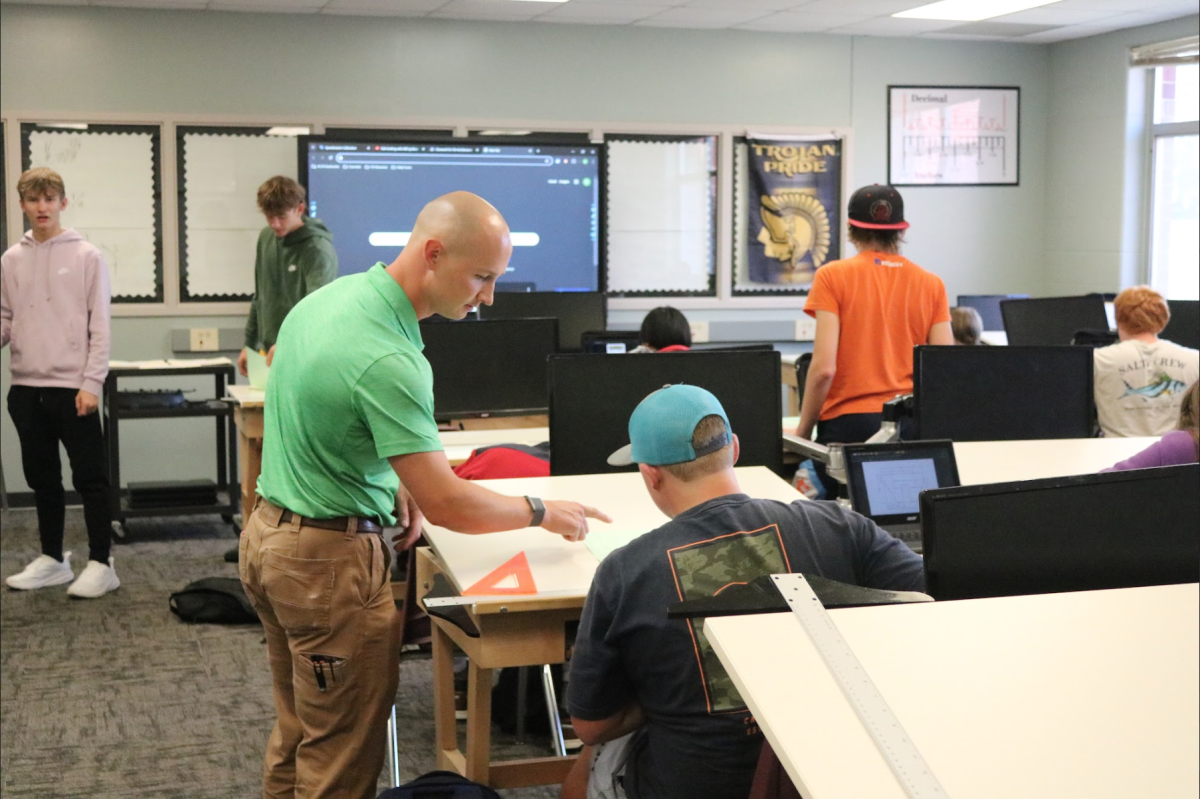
(43,417)
(850,428)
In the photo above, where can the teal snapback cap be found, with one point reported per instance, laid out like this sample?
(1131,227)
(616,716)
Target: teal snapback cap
(662,425)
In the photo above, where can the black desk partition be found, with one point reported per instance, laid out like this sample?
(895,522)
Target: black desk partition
(1052,321)
(592,397)
(1080,533)
(1003,393)
(1184,327)
(489,367)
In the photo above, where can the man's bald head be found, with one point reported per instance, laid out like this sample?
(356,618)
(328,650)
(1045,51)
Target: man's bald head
(458,249)
(465,224)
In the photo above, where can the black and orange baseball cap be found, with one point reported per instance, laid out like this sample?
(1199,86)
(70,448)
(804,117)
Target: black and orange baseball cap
(877,207)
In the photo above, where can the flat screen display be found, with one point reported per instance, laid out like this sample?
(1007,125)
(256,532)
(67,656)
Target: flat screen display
(369,194)
(1052,321)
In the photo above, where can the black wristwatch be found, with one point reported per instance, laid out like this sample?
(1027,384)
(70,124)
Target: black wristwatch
(539,511)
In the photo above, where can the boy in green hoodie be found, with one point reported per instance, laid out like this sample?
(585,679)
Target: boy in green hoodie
(295,258)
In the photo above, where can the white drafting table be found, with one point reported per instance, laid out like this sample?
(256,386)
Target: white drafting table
(528,630)
(1091,694)
(1004,461)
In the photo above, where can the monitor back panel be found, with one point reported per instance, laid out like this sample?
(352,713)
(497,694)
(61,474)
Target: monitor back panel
(988,306)
(1003,393)
(885,480)
(593,396)
(489,367)
(1052,321)
(1080,533)
(577,311)
(1184,326)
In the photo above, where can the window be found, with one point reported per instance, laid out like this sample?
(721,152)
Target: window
(1175,196)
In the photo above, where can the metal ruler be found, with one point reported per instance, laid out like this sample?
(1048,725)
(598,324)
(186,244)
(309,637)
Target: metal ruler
(898,750)
(450,601)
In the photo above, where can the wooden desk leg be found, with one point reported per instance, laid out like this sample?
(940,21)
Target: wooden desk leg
(251,466)
(479,723)
(445,725)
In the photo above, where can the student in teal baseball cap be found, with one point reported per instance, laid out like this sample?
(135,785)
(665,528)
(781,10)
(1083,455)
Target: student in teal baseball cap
(647,694)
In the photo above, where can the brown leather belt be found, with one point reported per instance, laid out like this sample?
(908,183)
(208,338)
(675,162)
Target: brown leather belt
(339,523)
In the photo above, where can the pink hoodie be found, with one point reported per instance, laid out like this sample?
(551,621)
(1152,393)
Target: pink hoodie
(54,308)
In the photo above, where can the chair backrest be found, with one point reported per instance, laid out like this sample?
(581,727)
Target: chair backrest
(802,364)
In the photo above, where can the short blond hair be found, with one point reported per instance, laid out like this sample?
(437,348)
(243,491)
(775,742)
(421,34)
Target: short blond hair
(708,430)
(40,180)
(279,194)
(1141,309)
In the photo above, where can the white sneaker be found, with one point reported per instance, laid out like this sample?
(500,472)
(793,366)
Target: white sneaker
(96,580)
(44,571)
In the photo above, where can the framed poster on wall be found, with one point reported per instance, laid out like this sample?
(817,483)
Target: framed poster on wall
(954,135)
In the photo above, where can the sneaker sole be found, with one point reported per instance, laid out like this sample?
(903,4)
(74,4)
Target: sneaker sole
(76,595)
(62,580)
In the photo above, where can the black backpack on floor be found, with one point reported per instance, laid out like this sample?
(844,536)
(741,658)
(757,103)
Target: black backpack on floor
(440,785)
(214,600)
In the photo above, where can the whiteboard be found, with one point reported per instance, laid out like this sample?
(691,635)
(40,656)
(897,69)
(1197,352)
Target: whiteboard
(953,136)
(220,176)
(659,230)
(111,199)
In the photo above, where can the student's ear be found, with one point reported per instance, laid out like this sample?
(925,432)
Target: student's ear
(737,449)
(652,476)
(62,206)
(432,252)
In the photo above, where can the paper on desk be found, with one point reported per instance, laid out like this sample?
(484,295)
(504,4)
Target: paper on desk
(602,541)
(170,363)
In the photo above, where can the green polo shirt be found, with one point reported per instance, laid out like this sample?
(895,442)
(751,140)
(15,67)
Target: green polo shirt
(349,388)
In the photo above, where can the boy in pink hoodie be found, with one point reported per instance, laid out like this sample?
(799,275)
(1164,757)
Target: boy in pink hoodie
(54,310)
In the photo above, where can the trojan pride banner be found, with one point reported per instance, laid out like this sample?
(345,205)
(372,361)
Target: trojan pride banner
(794,207)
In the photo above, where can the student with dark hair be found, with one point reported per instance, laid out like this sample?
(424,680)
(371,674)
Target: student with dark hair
(294,258)
(1139,382)
(967,326)
(871,310)
(665,329)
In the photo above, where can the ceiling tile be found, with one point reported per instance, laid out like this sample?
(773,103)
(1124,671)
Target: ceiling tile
(1053,15)
(493,10)
(989,27)
(890,26)
(166,4)
(279,6)
(596,13)
(1098,6)
(864,8)
(45,2)
(761,5)
(655,4)
(795,22)
(701,17)
(383,7)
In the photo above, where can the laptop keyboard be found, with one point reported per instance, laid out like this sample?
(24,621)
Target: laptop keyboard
(910,534)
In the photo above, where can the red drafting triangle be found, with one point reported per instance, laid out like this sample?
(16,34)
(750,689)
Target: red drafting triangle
(517,567)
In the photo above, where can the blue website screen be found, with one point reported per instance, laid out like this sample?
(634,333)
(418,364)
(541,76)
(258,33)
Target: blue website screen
(369,195)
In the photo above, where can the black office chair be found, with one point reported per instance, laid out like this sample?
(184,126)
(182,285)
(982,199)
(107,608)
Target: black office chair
(1094,338)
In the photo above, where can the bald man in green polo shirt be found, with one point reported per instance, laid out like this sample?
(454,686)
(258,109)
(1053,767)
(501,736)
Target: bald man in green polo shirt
(348,438)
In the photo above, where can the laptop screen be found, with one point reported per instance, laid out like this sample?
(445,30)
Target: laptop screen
(886,480)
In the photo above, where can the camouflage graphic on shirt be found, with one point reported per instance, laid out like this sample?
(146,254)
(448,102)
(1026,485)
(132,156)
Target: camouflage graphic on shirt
(706,568)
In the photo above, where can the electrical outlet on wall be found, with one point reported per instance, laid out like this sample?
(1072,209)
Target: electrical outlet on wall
(204,339)
(699,332)
(806,328)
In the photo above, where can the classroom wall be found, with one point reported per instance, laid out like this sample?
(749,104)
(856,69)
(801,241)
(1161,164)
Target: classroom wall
(75,60)
(1096,192)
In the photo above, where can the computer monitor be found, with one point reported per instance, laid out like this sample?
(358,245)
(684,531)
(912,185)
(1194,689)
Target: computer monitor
(1051,321)
(988,306)
(592,397)
(369,192)
(489,368)
(610,342)
(1184,327)
(1081,533)
(1003,393)
(577,311)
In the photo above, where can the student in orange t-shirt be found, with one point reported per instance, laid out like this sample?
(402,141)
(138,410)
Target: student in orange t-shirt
(871,310)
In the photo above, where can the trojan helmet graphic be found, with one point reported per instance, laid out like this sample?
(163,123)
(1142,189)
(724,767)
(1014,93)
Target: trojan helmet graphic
(794,225)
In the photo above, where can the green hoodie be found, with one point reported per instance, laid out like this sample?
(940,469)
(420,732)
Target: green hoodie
(286,271)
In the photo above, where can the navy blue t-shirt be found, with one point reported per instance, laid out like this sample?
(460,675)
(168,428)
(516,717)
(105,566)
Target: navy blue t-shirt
(700,739)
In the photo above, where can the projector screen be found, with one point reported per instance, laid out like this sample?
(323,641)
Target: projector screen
(369,194)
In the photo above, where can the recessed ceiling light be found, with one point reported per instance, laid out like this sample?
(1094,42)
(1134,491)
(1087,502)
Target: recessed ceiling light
(289,130)
(505,132)
(970,10)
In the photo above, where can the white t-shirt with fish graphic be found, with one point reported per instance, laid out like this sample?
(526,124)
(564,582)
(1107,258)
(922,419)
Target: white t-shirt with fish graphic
(1139,386)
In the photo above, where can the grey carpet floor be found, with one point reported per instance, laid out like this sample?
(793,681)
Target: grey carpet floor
(116,697)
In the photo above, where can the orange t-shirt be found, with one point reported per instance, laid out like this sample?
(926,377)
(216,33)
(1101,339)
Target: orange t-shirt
(885,306)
